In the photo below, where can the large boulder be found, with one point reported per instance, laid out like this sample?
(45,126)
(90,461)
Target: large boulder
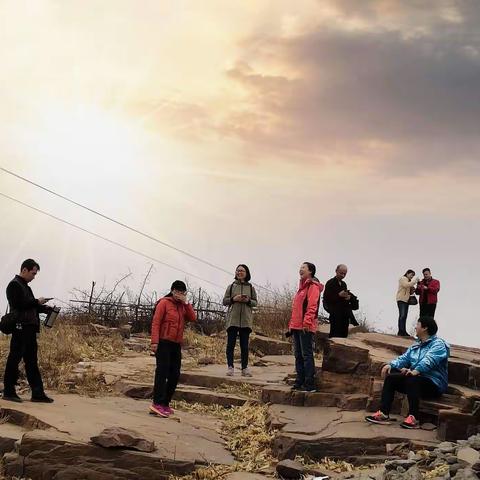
(118,437)
(269,346)
(340,357)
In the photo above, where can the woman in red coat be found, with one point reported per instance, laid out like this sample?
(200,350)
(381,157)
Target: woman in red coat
(303,326)
(168,325)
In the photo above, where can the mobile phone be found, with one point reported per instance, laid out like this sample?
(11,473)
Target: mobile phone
(47,299)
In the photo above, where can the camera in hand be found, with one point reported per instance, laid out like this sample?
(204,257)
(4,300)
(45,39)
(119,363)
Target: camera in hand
(51,317)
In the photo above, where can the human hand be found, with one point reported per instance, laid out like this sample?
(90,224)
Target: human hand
(404,371)
(385,371)
(343,294)
(43,300)
(237,298)
(181,297)
(245,298)
(153,347)
(413,373)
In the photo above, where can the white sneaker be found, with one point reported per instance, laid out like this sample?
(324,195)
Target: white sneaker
(230,372)
(246,372)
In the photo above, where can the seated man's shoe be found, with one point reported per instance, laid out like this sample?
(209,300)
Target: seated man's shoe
(42,399)
(379,418)
(11,397)
(410,422)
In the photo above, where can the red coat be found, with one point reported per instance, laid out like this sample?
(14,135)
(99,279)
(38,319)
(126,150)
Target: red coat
(310,288)
(430,292)
(169,320)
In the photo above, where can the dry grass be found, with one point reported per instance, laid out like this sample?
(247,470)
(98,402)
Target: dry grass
(60,350)
(246,435)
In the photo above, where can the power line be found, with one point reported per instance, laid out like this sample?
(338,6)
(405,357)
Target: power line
(113,242)
(124,225)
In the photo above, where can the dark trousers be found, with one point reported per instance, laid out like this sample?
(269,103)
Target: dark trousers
(339,322)
(428,309)
(402,318)
(167,373)
(232,334)
(304,361)
(23,345)
(415,387)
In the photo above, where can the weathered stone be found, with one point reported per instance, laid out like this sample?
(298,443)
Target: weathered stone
(468,455)
(454,425)
(454,468)
(270,346)
(6,445)
(118,437)
(12,465)
(458,372)
(343,358)
(446,447)
(413,473)
(353,402)
(473,441)
(394,464)
(465,474)
(290,469)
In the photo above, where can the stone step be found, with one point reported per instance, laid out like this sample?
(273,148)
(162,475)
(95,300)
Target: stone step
(282,395)
(189,394)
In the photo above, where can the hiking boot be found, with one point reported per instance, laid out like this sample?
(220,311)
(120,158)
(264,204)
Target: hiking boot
(380,418)
(159,410)
(42,399)
(230,372)
(410,422)
(246,372)
(12,397)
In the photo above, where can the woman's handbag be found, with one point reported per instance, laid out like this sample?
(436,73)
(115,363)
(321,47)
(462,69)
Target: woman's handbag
(412,300)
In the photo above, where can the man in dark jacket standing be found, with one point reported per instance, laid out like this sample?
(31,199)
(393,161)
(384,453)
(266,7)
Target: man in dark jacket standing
(336,302)
(23,344)
(428,289)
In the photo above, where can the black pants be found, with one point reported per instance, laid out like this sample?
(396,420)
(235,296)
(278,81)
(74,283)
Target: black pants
(304,361)
(415,387)
(428,309)
(23,345)
(339,322)
(167,373)
(402,318)
(244,334)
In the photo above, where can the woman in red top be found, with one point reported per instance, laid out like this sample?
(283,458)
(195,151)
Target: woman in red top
(168,324)
(303,326)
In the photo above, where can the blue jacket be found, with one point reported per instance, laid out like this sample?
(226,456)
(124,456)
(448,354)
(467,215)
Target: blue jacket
(430,358)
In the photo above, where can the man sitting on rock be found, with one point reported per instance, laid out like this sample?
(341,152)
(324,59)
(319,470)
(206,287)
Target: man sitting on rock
(421,372)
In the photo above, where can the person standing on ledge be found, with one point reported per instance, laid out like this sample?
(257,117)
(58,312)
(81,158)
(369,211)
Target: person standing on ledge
(336,302)
(428,289)
(23,344)
(406,287)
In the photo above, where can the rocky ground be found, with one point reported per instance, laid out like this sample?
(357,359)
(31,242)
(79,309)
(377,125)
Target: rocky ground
(245,428)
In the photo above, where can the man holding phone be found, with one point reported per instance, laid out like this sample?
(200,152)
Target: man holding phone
(23,344)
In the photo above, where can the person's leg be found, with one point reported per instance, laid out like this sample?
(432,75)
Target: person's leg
(299,363)
(306,344)
(333,318)
(244,335)
(232,333)
(30,358)
(431,309)
(416,388)
(395,382)
(174,372)
(343,330)
(15,355)
(402,317)
(162,370)
(424,310)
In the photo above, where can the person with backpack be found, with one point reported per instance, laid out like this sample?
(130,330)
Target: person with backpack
(303,326)
(168,324)
(240,298)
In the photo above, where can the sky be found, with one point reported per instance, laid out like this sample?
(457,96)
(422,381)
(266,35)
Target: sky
(260,132)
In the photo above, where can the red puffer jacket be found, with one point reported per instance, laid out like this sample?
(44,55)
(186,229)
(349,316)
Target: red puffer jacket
(431,292)
(169,320)
(310,288)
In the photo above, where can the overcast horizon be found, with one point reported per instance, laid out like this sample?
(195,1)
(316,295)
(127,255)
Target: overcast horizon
(257,132)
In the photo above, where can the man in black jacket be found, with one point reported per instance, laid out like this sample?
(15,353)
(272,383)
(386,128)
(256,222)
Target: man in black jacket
(23,344)
(336,302)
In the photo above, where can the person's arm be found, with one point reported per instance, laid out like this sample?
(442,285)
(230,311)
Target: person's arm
(403,361)
(17,299)
(313,295)
(405,282)
(433,287)
(253,299)
(227,299)
(158,317)
(436,354)
(330,296)
(190,315)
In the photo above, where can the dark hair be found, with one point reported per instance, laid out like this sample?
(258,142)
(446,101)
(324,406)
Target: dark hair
(409,271)
(29,264)
(426,270)
(430,324)
(178,285)
(248,276)
(311,268)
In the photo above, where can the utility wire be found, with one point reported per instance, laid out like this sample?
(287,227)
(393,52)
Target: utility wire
(124,225)
(113,242)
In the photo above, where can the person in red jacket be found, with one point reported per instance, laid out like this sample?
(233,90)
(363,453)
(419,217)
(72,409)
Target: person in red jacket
(303,326)
(428,289)
(168,325)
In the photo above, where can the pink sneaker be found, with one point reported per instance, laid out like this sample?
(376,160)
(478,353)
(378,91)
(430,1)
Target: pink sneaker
(159,410)
(410,422)
(169,410)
